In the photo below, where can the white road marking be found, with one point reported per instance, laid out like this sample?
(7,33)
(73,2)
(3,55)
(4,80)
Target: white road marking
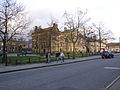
(113,82)
(116,68)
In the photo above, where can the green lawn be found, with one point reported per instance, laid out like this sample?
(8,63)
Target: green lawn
(38,59)
(28,59)
(25,59)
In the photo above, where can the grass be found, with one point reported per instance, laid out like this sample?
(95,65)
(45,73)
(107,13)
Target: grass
(28,59)
(36,59)
(25,59)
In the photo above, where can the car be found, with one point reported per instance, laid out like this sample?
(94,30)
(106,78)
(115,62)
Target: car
(107,54)
(26,50)
(111,54)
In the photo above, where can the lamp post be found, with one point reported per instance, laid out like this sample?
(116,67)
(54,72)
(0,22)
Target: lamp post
(119,44)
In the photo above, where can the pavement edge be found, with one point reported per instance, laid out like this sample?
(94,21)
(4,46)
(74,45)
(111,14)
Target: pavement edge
(46,66)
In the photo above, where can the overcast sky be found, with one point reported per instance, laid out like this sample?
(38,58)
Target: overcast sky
(106,11)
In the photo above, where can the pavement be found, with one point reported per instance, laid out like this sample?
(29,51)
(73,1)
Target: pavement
(114,85)
(13,68)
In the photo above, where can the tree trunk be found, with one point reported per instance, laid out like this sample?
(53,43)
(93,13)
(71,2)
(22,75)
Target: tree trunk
(5,52)
(73,50)
(50,40)
(66,46)
(100,45)
(87,49)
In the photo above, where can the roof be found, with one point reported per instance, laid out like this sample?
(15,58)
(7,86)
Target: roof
(113,44)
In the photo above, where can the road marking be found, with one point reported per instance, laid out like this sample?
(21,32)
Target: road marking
(116,68)
(112,83)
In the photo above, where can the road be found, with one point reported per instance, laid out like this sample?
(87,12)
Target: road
(89,75)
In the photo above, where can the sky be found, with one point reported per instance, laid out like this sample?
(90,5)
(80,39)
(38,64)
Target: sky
(106,11)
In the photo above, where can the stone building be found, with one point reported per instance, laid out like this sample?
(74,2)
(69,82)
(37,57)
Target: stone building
(13,46)
(114,47)
(45,40)
(52,40)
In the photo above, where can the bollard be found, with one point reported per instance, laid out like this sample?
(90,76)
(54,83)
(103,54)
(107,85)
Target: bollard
(16,61)
(68,54)
(9,60)
(29,60)
(39,59)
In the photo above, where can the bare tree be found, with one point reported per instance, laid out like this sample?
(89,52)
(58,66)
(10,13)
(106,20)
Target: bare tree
(74,24)
(66,38)
(88,32)
(102,33)
(12,22)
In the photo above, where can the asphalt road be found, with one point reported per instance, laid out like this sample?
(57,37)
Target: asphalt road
(90,75)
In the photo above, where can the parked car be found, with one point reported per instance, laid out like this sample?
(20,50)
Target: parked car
(107,54)
(26,50)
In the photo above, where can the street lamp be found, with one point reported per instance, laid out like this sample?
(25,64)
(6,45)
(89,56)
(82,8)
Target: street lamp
(119,44)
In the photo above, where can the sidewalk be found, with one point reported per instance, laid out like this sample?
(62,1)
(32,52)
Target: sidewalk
(6,69)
